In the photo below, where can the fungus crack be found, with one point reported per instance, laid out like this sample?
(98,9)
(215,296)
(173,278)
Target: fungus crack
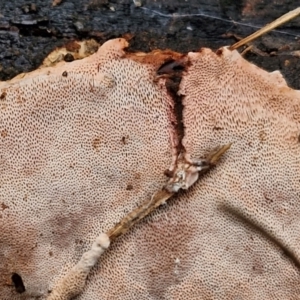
(18,283)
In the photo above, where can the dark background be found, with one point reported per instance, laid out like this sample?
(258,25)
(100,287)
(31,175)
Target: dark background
(29,30)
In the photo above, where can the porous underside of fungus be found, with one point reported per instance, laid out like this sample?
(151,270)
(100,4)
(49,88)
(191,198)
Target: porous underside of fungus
(83,143)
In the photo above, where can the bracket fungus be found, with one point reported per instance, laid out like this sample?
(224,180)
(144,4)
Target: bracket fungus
(83,150)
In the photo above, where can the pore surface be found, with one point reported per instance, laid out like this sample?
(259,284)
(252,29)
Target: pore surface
(81,144)
(247,210)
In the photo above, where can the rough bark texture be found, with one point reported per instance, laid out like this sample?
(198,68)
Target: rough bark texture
(29,30)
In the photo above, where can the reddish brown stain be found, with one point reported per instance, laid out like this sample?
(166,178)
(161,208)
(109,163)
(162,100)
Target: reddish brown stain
(20,100)
(3,95)
(72,46)
(157,58)
(96,143)
(169,173)
(4,133)
(129,187)
(4,206)
(219,52)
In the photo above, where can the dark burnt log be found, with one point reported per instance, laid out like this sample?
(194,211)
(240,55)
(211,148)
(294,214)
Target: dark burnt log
(29,30)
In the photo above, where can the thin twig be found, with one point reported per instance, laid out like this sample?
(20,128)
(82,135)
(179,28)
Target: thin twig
(158,199)
(278,22)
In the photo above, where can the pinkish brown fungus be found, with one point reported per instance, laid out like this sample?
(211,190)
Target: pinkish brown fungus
(65,171)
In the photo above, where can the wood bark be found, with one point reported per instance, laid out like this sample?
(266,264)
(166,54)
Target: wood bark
(29,30)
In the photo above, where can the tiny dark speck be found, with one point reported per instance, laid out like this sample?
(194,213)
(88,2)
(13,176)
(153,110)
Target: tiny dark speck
(129,187)
(68,57)
(218,128)
(65,74)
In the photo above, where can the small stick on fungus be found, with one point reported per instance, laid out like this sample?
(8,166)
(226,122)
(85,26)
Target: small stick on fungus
(278,22)
(73,282)
(161,197)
